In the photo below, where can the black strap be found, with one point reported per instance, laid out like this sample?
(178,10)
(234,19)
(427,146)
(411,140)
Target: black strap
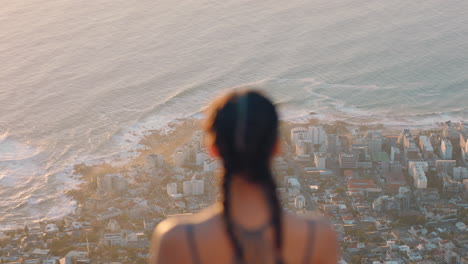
(310,242)
(257,232)
(192,245)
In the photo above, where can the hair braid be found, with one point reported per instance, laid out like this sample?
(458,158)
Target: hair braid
(239,253)
(269,187)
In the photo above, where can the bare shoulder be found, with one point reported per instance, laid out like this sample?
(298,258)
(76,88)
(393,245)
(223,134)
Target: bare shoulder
(310,230)
(166,239)
(169,242)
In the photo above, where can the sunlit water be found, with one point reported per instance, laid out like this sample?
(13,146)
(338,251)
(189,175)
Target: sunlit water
(80,81)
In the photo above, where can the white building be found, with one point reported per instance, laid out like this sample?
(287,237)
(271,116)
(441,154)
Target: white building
(426,146)
(198,187)
(210,165)
(446,149)
(320,161)
(293,183)
(187,187)
(201,156)
(299,202)
(194,187)
(418,169)
(111,183)
(181,156)
(406,139)
(465,153)
(302,147)
(394,153)
(297,134)
(315,134)
(114,239)
(171,188)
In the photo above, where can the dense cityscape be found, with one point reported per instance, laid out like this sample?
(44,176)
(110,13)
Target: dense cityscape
(393,197)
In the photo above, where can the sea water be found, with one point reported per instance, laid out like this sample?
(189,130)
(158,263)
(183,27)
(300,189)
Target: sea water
(82,81)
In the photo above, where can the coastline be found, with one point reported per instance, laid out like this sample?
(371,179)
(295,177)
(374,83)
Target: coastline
(163,141)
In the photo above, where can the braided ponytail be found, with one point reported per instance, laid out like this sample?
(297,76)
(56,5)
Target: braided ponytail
(269,187)
(239,253)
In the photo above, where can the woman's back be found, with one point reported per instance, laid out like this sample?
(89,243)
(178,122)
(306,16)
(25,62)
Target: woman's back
(201,239)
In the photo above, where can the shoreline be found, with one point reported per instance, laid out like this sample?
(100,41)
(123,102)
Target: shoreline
(163,141)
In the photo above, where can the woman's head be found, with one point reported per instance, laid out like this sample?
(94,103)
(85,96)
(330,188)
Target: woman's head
(242,128)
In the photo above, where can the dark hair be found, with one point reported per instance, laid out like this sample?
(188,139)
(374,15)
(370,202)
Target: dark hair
(244,127)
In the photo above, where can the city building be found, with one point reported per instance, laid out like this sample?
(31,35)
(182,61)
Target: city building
(427,196)
(450,185)
(182,156)
(406,139)
(460,173)
(395,154)
(201,156)
(193,187)
(111,184)
(360,186)
(426,146)
(418,169)
(348,161)
(315,134)
(374,140)
(187,187)
(292,182)
(464,153)
(303,147)
(445,165)
(386,204)
(320,161)
(446,149)
(299,202)
(395,178)
(297,133)
(114,239)
(333,144)
(211,164)
(449,130)
(198,187)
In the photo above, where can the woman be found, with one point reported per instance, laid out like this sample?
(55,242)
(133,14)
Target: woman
(249,226)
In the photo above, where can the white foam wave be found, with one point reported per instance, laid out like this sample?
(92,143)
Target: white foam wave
(11,150)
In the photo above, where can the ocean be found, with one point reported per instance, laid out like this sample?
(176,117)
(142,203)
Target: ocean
(83,81)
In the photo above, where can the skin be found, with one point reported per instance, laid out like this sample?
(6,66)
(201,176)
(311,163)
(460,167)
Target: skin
(249,210)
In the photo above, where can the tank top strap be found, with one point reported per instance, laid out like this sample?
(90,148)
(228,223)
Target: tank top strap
(310,241)
(192,245)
